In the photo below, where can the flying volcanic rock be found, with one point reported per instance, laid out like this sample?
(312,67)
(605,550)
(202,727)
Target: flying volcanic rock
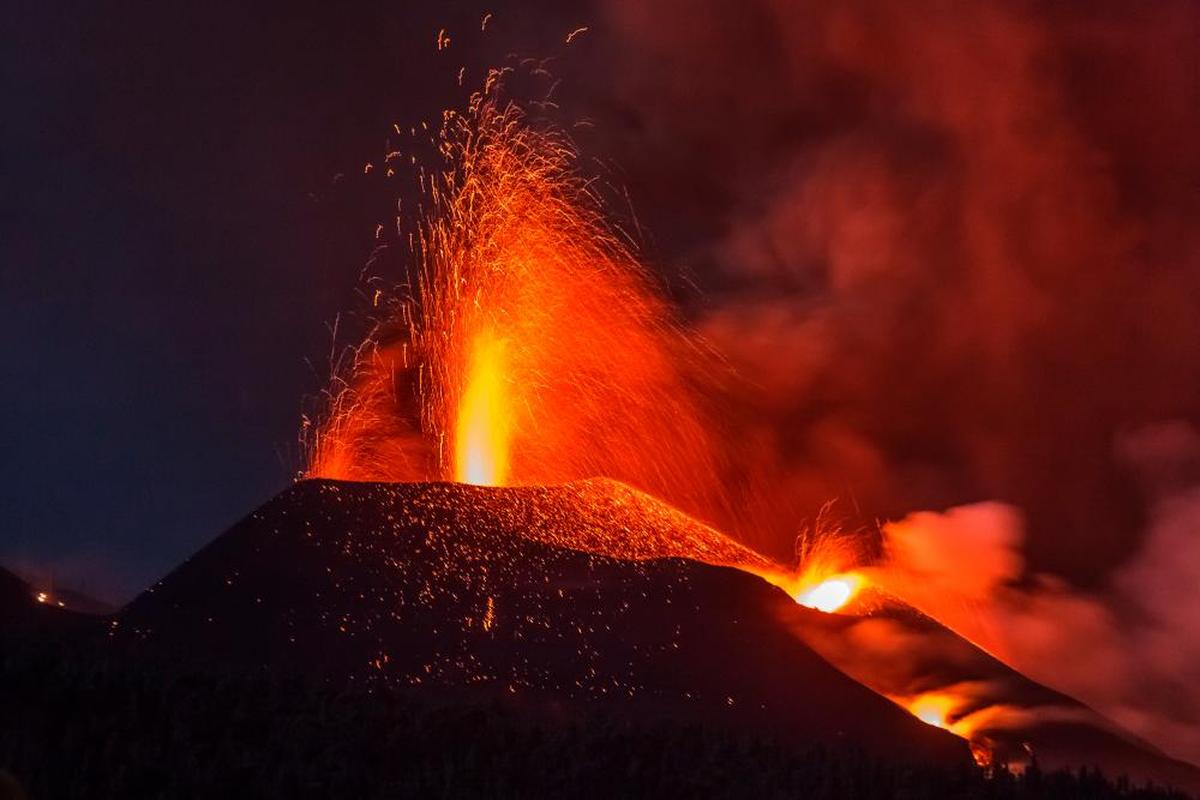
(557,597)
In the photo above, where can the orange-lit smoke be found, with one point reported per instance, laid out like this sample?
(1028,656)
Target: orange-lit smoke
(953,246)
(962,568)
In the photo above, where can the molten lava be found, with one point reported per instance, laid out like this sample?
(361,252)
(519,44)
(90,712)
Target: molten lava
(482,431)
(933,709)
(832,593)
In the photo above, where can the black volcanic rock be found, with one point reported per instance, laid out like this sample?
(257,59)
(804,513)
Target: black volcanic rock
(475,590)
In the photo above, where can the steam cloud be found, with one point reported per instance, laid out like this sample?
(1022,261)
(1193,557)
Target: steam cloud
(953,247)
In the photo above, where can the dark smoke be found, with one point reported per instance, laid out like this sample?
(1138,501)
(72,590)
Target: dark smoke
(954,248)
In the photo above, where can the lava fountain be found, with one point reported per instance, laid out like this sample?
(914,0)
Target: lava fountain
(535,349)
(481,435)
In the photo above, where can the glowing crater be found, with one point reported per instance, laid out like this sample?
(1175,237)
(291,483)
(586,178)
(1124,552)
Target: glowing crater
(831,594)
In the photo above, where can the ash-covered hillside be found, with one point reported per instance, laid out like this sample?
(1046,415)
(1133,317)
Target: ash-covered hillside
(487,592)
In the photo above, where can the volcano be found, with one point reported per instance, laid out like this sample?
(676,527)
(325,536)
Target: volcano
(568,598)
(552,597)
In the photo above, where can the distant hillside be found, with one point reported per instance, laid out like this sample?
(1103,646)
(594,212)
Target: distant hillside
(17,592)
(14,592)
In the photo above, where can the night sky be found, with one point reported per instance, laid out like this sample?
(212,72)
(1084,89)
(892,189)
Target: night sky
(184,217)
(950,252)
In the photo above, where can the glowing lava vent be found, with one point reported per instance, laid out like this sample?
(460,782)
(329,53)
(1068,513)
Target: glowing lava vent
(831,594)
(483,427)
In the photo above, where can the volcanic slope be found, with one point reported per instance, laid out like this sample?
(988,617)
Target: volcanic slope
(899,652)
(16,600)
(21,612)
(573,596)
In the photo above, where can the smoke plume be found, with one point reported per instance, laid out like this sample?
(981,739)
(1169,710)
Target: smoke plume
(951,248)
(948,253)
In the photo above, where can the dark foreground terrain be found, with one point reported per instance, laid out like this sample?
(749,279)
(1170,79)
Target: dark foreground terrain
(365,640)
(82,724)
(508,594)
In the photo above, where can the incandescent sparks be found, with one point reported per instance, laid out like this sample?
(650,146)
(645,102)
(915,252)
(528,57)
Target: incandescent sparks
(536,349)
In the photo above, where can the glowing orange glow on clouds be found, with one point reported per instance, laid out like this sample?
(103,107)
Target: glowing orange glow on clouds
(952,708)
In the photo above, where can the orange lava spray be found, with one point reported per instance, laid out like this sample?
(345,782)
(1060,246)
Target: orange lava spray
(536,348)
(482,431)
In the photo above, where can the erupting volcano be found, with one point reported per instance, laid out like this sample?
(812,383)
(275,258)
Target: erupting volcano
(537,352)
(757,399)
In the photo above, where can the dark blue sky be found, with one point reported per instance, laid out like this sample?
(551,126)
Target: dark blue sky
(176,241)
